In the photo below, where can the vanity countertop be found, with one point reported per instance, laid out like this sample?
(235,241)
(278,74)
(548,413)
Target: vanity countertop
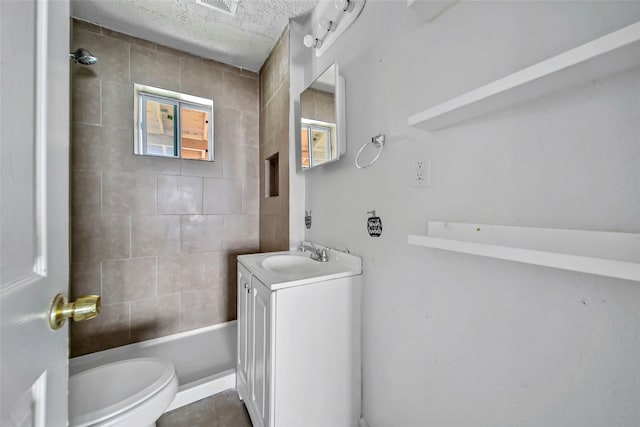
(279,270)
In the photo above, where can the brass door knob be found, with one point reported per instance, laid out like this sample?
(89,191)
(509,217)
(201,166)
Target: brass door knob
(84,308)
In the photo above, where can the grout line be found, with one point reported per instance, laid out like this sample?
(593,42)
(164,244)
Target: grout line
(243,185)
(155,183)
(180,74)
(123,259)
(272,96)
(180,319)
(101,195)
(180,235)
(102,126)
(156,275)
(100,99)
(101,279)
(129,322)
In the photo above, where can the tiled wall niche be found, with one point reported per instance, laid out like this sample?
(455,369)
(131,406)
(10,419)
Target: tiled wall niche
(274,139)
(157,238)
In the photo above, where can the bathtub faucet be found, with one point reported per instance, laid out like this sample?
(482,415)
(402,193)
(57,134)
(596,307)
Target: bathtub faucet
(317,254)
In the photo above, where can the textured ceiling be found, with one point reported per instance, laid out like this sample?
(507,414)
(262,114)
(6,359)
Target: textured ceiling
(243,40)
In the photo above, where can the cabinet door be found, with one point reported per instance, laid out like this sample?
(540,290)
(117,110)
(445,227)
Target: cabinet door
(261,347)
(244,314)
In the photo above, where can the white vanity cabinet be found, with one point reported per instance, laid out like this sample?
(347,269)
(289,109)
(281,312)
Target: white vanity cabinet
(244,317)
(299,343)
(253,365)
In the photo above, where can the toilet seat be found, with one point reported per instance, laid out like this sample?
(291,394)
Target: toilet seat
(103,394)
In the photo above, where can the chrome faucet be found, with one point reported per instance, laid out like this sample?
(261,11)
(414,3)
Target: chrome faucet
(317,254)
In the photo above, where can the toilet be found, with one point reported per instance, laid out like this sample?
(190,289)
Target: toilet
(129,393)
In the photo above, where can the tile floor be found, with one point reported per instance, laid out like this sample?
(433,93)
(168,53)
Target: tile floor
(221,410)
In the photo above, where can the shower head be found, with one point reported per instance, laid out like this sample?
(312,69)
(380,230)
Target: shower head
(83,56)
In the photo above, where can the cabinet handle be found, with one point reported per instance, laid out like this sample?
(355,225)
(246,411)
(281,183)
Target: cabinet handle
(246,285)
(249,291)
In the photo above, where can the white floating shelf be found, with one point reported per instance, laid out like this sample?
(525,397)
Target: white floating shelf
(595,252)
(614,52)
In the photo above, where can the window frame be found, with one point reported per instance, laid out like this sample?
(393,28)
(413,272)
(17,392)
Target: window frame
(328,128)
(179,101)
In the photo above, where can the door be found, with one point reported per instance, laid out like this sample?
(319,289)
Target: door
(34,209)
(260,370)
(244,309)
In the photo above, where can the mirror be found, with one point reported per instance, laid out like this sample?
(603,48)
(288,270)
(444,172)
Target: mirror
(321,135)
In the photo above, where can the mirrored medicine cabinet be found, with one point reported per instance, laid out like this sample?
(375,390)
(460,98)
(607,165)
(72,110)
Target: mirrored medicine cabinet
(321,136)
(172,124)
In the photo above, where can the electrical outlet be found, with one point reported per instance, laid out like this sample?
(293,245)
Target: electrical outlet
(420,171)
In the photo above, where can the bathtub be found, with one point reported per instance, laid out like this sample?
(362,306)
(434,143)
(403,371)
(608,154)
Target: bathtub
(204,359)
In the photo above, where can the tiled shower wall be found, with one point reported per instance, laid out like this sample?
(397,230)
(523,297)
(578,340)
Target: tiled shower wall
(317,105)
(274,138)
(157,238)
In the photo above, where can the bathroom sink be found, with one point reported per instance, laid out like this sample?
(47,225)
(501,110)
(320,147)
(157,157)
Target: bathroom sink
(291,264)
(280,270)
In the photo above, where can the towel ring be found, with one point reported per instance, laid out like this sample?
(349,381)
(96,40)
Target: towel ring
(378,141)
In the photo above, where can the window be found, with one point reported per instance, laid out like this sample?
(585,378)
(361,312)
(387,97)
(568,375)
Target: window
(318,142)
(172,124)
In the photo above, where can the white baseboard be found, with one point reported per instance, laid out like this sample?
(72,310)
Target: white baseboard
(201,389)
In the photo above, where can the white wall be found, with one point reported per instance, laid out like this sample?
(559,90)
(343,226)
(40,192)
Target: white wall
(459,340)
